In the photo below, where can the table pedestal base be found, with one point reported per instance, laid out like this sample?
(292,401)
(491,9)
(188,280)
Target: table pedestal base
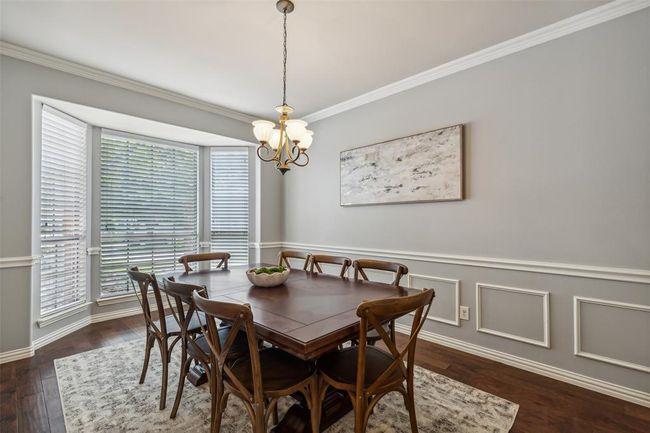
(298,420)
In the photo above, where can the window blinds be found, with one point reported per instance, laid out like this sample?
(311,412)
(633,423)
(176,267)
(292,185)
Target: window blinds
(149,207)
(63,211)
(229,203)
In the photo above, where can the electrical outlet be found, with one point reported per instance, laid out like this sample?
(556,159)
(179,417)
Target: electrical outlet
(464,312)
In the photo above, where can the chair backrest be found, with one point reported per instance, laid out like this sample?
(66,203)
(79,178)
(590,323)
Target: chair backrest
(203,257)
(185,308)
(241,318)
(142,283)
(373,315)
(284,256)
(318,259)
(360,265)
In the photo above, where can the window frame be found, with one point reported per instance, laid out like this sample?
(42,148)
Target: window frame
(108,298)
(38,107)
(253,197)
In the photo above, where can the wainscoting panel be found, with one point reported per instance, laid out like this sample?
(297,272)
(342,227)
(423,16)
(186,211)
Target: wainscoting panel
(617,333)
(513,313)
(446,304)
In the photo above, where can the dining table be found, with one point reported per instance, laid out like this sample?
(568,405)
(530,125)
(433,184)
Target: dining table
(307,316)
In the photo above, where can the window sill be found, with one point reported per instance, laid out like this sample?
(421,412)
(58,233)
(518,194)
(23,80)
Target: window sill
(48,320)
(119,299)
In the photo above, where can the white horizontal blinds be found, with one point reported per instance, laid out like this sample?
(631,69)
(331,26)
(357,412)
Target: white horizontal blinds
(149,207)
(229,203)
(63,211)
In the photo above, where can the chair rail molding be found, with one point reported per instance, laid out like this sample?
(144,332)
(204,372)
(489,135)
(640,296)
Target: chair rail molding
(577,347)
(618,391)
(18,262)
(456,283)
(584,20)
(39,58)
(546,322)
(565,269)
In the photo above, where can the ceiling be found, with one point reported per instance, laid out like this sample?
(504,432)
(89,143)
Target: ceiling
(230,53)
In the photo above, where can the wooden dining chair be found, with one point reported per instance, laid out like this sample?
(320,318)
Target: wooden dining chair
(318,259)
(367,373)
(361,265)
(284,256)
(204,257)
(191,322)
(258,380)
(157,331)
(399,271)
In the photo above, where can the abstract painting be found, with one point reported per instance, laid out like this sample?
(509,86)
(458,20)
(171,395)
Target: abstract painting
(417,168)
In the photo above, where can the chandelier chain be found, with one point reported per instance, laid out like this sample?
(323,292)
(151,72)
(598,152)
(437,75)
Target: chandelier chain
(284,63)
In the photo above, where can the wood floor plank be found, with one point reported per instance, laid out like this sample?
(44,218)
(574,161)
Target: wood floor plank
(30,397)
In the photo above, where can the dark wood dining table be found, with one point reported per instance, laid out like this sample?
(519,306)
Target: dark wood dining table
(307,316)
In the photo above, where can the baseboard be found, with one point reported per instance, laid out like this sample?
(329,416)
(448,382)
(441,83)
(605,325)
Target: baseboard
(601,386)
(27,352)
(15,355)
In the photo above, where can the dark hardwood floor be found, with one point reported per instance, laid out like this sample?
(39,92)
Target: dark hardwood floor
(30,396)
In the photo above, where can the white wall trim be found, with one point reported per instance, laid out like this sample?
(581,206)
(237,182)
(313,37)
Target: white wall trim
(601,386)
(456,283)
(565,269)
(15,355)
(577,348)
(590,18)
(18,262)
(546,342)
(26,54)
(265,245)
(26,352)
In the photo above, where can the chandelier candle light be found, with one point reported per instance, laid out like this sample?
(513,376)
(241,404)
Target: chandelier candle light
(288,144)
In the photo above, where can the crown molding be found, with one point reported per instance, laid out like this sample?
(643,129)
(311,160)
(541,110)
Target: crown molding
(590,18)
(36,57)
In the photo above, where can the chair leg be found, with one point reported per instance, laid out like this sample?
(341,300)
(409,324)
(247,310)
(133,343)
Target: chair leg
(360,414)
(215,423)
(259,421)
(409,400)
(392,330)
(185,367)
(164,357)
(147,353)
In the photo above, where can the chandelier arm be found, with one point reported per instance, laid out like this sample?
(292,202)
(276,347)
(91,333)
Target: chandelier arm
(266,149)
(297,160)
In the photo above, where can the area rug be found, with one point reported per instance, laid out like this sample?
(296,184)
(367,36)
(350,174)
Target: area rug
(100,394)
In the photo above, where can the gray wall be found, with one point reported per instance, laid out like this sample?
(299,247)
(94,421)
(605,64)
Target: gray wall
(557,170)
(20,80)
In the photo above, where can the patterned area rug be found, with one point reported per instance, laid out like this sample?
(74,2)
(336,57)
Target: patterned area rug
(100,393)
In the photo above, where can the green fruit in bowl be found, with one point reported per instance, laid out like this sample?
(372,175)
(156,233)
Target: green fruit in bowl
(270,270)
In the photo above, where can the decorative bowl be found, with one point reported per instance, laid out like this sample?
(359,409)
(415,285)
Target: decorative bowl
(267,280)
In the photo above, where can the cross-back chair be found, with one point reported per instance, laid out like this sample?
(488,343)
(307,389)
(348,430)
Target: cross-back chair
(194,346)
(284,256)
(398,269)
(318,259)
(259,379)
(367,373)
(157,331)
(204,257)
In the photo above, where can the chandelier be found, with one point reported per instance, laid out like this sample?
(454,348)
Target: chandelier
(288,143)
